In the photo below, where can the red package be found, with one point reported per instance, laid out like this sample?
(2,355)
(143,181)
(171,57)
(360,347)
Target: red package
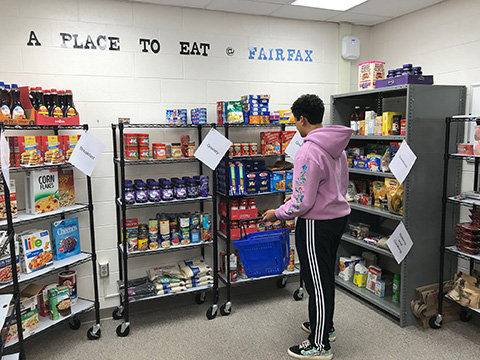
(184,140)
(270,143)
(30,150)
(287,136)
(53,150)
(69,142)
(468,228)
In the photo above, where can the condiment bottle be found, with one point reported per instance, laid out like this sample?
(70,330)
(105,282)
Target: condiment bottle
(47,95)
(16,108)
(61,100)
(417,70)
(129,192)
(69,109)
(40,102)
(5,101)
(55,108)
(407,69)
(355,120)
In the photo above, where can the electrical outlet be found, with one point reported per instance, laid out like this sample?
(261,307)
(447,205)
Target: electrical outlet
(104,271)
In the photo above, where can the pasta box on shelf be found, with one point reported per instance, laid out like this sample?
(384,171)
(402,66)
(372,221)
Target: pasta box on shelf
(41,191)
(35,250)
(277,181)
(405,79)
(65,238)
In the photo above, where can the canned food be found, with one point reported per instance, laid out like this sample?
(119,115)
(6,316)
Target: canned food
(195,220)
(237,149)
(185,236)
(277,225)
(206,227)
(253,149)
(291,263)
(165,241)
(195,235)
(184,220)
(173,222)
(231,151)
(245,149)
(268,225)
(153,242)
(261,226)
(142,243)
(164,225)
(175,237)
(153,226)
(69,278)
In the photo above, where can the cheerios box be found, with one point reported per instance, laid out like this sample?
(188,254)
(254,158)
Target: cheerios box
(65,238)
(41,191)
(35,250)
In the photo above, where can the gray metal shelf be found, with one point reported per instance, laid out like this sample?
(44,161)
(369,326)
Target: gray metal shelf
(238,282)
(371,173)
(172,248)
(425,108)
(352,240)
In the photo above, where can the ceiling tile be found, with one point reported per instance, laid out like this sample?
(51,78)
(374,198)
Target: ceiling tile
(391,8)
(243,6)
(304,13)
(185,3)
(360,19)
(281,2)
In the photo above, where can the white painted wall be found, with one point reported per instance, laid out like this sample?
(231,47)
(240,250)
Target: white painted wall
(129,83)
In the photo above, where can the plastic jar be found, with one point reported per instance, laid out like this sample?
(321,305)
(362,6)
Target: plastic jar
(159,151)
(184,220)
(191,149)
(130,140)
(129,192)
(252,204)
(141,195)
(234,205)
(407,69)
(176,151)
(131,153)
(203,186)
(242,205)
(144,153)
(153,190)
(166,190)
(417,70)
(398,72)
(180,190)
(168,151)
(192,188)
(391,74)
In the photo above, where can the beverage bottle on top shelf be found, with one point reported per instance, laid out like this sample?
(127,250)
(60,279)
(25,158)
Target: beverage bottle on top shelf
(69,110)
(16,108)
(41,105)
(355,119)
(5,100)
(55,109)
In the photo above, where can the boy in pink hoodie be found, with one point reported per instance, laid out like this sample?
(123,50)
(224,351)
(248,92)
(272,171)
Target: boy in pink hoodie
(320,180)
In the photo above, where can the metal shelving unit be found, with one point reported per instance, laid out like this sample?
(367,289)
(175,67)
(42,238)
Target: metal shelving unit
(446,234)
(120,164)
(22,218)
(226,308)
(425,108)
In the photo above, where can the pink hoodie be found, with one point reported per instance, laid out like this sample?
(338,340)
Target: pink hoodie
(320,176)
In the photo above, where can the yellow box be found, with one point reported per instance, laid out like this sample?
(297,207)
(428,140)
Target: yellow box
(387,122)
(360,280)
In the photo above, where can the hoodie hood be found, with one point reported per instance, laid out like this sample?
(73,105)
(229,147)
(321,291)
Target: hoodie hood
(333,139)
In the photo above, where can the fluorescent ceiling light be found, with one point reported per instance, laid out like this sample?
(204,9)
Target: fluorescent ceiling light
(340,5)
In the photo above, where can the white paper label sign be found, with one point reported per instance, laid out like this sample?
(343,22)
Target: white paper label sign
(400,242)
(212,149)
(5,158)
(86,153)
(403,162)
(294,145)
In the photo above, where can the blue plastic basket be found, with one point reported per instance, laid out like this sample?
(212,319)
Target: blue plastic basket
(264,253)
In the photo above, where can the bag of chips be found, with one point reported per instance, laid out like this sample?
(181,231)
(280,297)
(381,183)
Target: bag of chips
(394,196)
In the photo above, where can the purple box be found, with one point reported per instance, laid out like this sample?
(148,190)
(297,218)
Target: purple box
(405,79)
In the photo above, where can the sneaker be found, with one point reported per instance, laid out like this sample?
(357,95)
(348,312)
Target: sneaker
(307,351)
(331,336)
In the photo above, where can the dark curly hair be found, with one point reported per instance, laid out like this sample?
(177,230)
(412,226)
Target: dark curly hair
(309,106)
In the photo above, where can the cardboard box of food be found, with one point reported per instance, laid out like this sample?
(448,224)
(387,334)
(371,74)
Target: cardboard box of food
(69,142)
(53,150)
(13,201)
(41,191)
(66,187)
(30,150)
(287,136)
(28,313)
(59,302)
(368,74)
(35,250)
(65,238)
(270,143)
(277,181)
(6,275)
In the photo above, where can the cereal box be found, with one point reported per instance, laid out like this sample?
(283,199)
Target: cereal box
(65,238)
(41,189)
(6,275)
(284,116)
(287,136)
(35,250)
(368,74)
(52,150)
(28,314)
(270,143)
(66,187)
(220,112)
(30,150)
(59,302)
(69,142)
(13,200)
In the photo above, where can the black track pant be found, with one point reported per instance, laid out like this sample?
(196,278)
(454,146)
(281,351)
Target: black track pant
(317,243)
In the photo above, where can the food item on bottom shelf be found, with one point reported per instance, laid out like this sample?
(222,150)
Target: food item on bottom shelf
(380,288)
(13,201)
(41,191)
(396,288)
(360,275)
(35,250)
(346,267)
(132,234)
(359,230)
(374,274)
(69,278)
(59,302)
(394,196)
(66,187)
(65,238)
(6,274)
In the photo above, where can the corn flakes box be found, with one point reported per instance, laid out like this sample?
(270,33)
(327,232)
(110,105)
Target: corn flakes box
(41,191)
(35,250)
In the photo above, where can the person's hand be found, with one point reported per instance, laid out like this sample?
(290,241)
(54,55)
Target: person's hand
(269,215)
(287,198)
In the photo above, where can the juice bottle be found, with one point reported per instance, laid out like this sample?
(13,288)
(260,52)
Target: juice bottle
(55,109)
(40,102)
(5,101)
(16,108)
(69,110)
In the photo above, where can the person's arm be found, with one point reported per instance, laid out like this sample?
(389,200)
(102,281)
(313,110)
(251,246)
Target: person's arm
(307,176)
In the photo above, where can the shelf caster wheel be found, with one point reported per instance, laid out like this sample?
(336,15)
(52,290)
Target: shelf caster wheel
(74,323)
(226,309)
(212,312)
(117,314)
(466,315)
(298,294)
(200,298)
(123,329)
(92,335)
(435,322)
(282,282)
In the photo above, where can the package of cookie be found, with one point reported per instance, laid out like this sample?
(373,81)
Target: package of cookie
(30,150)
(52,150)
(13,200)
(41,191)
